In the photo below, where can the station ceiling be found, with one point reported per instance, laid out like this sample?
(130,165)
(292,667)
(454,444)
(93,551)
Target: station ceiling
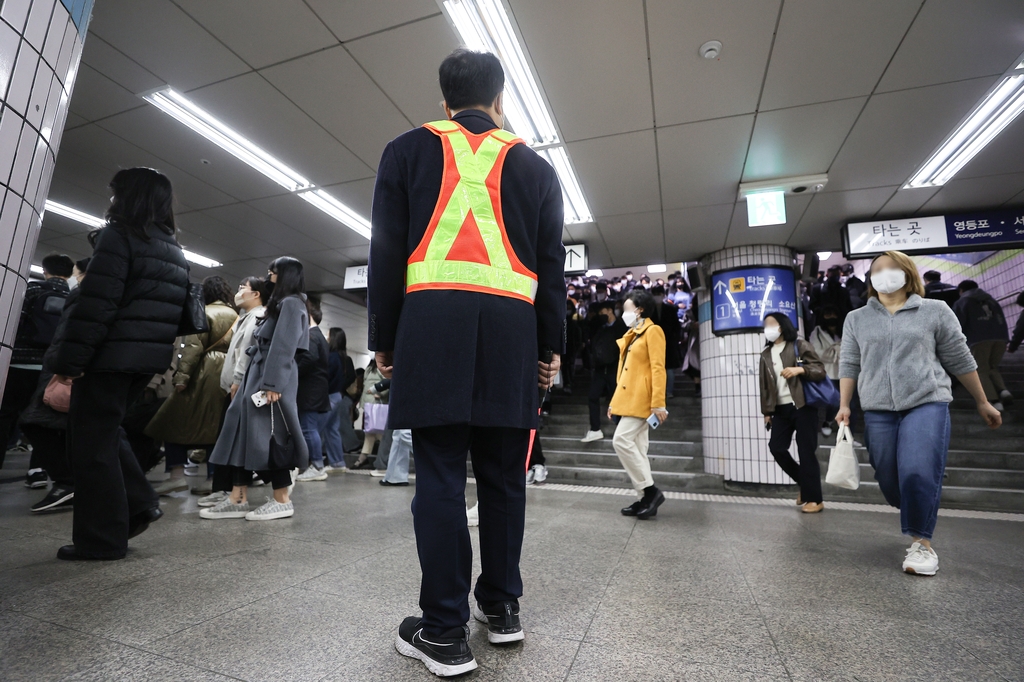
(863,90)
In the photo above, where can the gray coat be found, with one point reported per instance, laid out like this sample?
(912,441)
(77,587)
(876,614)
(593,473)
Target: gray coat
(245,439)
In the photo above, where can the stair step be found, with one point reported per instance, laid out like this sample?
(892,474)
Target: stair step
(609,460)
(676,481)
(657,447)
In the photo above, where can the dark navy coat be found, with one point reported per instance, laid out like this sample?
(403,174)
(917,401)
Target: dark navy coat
(463,357)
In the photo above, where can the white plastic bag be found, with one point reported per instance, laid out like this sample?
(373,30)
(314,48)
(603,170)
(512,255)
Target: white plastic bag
(843,465)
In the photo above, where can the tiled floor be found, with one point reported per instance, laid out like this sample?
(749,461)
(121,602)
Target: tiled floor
(707,591)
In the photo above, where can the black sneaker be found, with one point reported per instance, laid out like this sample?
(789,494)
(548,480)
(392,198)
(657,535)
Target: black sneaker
(502,621)
(59,497)
(632,509)
(445,656)
(36,478)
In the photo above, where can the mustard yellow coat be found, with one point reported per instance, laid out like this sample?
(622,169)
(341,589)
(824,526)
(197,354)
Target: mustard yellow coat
(640,387)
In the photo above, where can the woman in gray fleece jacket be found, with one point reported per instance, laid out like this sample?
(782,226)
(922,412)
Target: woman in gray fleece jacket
(898,352)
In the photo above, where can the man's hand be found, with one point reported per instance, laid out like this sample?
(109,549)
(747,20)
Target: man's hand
(546,372)
(991,415)
(234,390)
(791,372)
(272,397)
(767,419)
(66,379)
(843,416)
(385,363)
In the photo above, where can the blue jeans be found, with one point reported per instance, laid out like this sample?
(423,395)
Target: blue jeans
(398,460)
(908,451)
(312,424)
(340,420)
(330,434)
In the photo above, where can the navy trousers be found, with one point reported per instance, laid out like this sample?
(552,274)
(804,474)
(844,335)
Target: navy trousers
(439,518)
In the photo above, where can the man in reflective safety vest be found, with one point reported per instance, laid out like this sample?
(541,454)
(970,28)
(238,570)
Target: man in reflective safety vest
(466,293)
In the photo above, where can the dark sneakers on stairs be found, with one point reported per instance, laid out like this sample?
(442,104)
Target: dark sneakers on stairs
(502,620)
(445,656)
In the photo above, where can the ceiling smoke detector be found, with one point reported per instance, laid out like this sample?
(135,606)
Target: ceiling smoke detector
(711,49)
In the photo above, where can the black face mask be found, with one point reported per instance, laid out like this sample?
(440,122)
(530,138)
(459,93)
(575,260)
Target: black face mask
(831,323)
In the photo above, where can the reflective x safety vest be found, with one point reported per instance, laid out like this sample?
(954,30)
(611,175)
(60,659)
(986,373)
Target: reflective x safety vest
(466,246)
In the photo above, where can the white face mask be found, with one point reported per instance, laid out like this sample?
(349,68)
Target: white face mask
(772,334)
(889,281)
(629,317)
(239,299)
(72,283)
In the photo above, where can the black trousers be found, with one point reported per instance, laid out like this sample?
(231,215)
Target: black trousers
(787,420)
(51,448)
(278,478)
(537,454)
(568,369)
(18,390)
(602,382)
(110,486)
(439,518)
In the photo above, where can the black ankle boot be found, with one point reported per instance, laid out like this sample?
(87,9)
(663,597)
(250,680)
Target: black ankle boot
(650,502)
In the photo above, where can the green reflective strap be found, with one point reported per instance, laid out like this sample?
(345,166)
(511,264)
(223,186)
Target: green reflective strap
(472,274)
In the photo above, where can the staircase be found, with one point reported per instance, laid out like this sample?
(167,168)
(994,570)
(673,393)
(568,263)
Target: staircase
(985,469)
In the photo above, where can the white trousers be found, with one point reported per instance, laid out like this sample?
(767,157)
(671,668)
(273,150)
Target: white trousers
(630,441)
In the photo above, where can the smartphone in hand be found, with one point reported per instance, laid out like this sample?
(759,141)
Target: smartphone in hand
(653,421)
(259,399)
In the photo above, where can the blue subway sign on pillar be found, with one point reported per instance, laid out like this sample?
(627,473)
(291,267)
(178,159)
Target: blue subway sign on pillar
(741,297)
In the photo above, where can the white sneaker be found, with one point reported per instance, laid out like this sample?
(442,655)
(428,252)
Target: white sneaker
(921,560)
(312,474)
(270,510)
(1006,396)
(999,406)
(540,473)
(331,470)
(171,485)
(226,509)
(531,476)
(858,444)
(378,473)
(592,436)
(826,430)
(213,499)
(473,516)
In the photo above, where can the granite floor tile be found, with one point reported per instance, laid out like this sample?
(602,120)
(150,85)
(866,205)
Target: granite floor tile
(35,650)
(620,664)
(132,664)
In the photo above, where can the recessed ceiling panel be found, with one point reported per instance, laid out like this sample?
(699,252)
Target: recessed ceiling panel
(98,54)
(822,222)
(1005,154)
(262,32)
(701,163)
(305,218)
(96,96)
(956,40)
(741,235)
(799,141)
(166,41)
(906,202)
(357,195)
(634,239)
(688,87)
(693,232)
(404,61)
(332,88)
(265,228)
(619,173)
(591,59)
(966,194)
(832,50)
(350,19)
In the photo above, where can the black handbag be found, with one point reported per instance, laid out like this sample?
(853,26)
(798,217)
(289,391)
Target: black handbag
(283,452)
(193,313)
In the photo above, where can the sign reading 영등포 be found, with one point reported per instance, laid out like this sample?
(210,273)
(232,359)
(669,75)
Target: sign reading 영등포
(355,277)
(741,297)
(980,231)
(576,258)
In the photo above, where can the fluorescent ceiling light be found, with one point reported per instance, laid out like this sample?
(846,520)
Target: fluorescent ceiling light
(990,116)
(657,268)
(339,211)
(824,255)
(93,221)
(36,269)
(73,214)
(484,25)
(184,110)
(766,208)
(573,202)
(595,273)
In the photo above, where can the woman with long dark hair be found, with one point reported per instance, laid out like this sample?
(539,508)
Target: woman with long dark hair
(784,360)
(120,332)
(339,434)
(262,431)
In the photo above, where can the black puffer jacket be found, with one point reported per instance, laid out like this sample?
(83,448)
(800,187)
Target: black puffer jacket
(126,318)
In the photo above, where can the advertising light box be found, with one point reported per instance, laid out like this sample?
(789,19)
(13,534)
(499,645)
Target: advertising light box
(741,297)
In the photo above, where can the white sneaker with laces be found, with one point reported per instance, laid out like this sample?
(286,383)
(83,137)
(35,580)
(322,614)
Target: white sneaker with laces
(378,473)
(473,515)
(592,436)
(826,430)
(213,499)
(270,510)
(332,470)
(226,509)
(531,475)
(540,473)
(921,560)
(312,474)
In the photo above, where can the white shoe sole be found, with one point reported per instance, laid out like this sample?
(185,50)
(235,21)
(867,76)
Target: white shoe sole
(322,477)
(912,571)
(378,474)
(251,516)
(591,439)
(205,514)
(493,637)
(207,505)
(439,669)
(57,503)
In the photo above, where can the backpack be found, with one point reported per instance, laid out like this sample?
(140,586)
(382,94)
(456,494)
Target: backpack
(40,315)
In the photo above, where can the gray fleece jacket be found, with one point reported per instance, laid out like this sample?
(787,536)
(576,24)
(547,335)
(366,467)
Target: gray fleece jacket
(904,360)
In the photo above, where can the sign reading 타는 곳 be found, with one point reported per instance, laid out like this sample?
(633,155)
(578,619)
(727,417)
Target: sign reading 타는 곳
(980,231)
(355,277)
(741,297)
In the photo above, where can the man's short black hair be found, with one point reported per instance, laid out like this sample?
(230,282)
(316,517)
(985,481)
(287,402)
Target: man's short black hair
(470,79)
(58,265)
(967,285)
(657,290)
(933,276)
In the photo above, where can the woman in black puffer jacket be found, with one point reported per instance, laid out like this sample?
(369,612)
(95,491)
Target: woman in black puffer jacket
(119,333)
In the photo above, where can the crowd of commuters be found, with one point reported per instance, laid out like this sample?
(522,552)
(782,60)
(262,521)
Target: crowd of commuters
(257,390)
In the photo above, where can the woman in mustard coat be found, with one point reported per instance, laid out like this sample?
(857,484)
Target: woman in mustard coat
(639,396)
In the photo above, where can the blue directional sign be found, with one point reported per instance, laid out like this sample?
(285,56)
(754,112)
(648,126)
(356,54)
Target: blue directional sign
(741,297)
